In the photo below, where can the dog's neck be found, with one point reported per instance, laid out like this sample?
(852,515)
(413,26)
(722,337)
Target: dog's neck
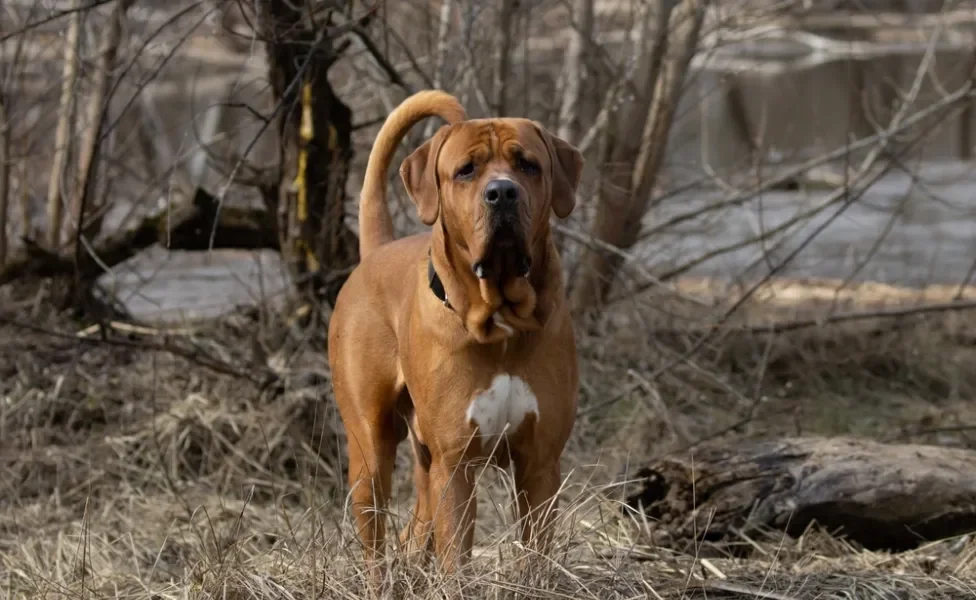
(452,282)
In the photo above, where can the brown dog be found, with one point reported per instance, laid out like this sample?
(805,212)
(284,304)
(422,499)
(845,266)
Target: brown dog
(460,337)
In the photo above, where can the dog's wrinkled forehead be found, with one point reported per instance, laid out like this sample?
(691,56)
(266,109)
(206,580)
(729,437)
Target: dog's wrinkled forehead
(489,140)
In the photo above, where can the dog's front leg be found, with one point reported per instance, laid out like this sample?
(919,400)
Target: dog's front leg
(416,535)
(537,488)
(453,510)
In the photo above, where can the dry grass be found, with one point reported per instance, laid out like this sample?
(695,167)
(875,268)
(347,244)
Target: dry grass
(134,474)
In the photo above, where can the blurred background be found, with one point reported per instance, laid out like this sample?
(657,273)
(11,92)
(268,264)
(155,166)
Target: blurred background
(715,146)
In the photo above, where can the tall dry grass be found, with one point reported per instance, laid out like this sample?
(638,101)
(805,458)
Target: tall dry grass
(134,473)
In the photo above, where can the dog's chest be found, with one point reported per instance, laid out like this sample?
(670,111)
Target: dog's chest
(502,408)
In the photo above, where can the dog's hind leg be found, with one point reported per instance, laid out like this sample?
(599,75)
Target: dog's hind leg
(371,458)
(373,430)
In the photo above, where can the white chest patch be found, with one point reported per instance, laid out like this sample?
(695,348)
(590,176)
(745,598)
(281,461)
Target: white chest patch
(501,408)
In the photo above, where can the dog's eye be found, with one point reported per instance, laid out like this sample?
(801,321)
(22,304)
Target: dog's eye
(525,165)
(465,172)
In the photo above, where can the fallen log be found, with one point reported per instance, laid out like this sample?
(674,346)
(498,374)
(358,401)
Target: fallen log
(883,496)
(196,225)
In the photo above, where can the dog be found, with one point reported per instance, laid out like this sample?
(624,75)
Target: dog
(461,337)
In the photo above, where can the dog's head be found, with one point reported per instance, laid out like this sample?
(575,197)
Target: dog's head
(493,183)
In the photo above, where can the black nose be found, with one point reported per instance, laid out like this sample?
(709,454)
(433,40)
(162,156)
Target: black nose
(501,193)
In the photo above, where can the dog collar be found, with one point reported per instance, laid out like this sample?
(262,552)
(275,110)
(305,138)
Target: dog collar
(436,285)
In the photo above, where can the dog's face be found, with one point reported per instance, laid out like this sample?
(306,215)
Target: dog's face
(492,182)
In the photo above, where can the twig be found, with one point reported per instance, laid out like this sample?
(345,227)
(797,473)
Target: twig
(368,123)
(428,82)
(610,401)
(73,11)
(253,373)
(381,60)
(597,245)
(846,317)
(737,588)
(134,329)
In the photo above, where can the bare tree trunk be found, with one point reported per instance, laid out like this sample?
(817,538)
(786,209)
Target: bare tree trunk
(965,142)
(506,20)
(443,27)
(315,132)
(575,70)
(62,136)
(440,57)
(4,178)
(667,94)
(97,110)
(23,190)
(625,191)
(13,73)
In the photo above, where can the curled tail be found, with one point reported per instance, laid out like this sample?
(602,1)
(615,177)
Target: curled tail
(375,221)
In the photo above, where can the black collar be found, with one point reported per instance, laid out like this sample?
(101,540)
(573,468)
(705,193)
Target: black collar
(436,285)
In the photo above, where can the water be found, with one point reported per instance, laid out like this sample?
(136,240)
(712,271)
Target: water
(899,232)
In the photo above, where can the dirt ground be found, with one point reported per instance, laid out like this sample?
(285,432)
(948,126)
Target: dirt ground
(137,463)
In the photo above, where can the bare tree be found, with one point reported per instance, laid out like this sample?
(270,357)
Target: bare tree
(62,138)
(4,176)
(97,110)
(506,20)
(440,53)
(315,129)
(635,161)
(575,71)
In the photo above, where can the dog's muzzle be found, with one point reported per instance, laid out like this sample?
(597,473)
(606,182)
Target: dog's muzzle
(506,253)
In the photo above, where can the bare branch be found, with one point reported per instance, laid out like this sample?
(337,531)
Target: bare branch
(623,193)
(444,25)
(97,109)
(4,177)
(62,139)
(506,18)
(73,12)
(575,71)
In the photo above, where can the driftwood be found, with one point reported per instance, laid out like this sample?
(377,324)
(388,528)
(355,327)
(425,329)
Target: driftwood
(187,227)
(882,496)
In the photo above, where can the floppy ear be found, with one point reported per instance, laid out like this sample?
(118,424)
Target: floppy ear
(419,175)
(567,168)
